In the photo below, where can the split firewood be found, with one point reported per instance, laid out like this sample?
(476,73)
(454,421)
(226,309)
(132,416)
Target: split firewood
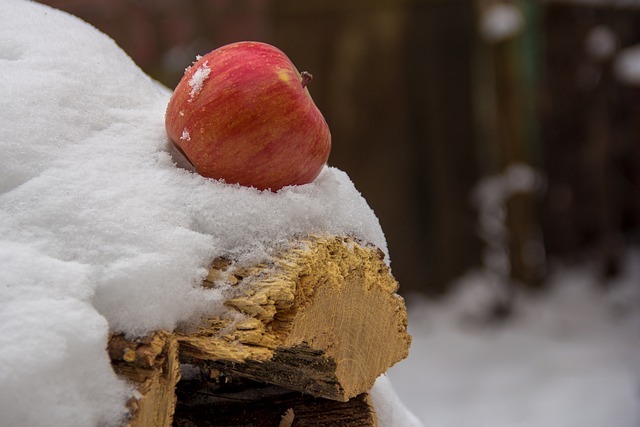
(202,403)
(315,329)
(151,365)
(324,320)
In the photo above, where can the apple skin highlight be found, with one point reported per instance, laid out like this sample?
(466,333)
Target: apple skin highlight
(242,113)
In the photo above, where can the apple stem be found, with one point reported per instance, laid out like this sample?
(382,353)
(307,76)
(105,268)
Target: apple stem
(306,78)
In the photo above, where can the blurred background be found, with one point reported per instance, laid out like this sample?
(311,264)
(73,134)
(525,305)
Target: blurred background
(498,141)
(490,133)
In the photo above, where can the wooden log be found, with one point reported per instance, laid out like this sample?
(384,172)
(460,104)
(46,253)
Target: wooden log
(315,328)
(324,320)
(209,404)
(151,365)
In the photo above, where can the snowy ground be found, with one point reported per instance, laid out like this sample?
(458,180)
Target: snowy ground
(568,359)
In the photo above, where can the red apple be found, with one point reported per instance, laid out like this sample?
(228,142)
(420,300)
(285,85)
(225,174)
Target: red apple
(243,113)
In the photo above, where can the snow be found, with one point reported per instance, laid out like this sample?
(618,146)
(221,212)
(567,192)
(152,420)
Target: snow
(391,412)
(626,65)
(490,196)
(501,21)
(570,358)
(100,229)
(197,80)
(601,42)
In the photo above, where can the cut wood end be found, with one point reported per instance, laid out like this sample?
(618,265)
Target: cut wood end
(355,317)
(331,302)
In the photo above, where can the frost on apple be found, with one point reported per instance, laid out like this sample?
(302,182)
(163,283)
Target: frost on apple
(185,135)
(197,80)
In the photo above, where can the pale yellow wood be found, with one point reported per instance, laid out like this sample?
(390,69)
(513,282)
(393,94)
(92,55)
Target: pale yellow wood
(325,319)
(151,364)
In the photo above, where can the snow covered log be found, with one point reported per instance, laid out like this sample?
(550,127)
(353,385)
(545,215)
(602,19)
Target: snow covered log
(309,333)
(325,321)
(151,364)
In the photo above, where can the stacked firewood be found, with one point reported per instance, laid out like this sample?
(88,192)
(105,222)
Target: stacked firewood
(303,341)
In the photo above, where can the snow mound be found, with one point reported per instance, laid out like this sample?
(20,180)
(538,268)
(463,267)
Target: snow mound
(100,230)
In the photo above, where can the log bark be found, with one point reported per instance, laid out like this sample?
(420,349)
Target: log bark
(207,404)
(325,320)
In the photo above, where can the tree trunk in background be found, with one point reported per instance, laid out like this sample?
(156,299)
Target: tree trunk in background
(591,132)
(393,81)
(440,46)
(506,63)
